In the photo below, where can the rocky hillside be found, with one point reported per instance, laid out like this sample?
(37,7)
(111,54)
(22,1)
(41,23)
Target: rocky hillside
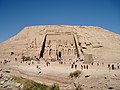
(93,39)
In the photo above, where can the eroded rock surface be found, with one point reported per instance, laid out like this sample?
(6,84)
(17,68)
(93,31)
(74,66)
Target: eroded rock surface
(66,39)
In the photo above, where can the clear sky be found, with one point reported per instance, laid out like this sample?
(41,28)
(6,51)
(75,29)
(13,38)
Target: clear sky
(16,14)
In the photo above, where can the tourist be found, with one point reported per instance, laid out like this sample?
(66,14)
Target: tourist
(32,62)
(102,64)
(108,65)
(37,66)
(15,59)
(87,66)
(29,63)
(92,63)
(81,66)
(113,67)
(118,66)
(39,72)
(75,66)
(73,62)
(97,64)
(72,66)
(76,61)
(84,66)
(20,61)
(47,63)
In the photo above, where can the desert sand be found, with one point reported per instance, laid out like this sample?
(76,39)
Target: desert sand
(100,77)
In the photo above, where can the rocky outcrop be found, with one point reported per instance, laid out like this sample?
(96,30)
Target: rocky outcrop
(8,83)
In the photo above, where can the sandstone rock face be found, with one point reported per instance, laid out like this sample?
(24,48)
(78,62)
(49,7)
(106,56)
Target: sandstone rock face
(71,41)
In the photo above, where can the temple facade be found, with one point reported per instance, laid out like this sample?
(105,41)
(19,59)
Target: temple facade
(59,44)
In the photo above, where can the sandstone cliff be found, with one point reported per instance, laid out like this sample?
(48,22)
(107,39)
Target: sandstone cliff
(92,40)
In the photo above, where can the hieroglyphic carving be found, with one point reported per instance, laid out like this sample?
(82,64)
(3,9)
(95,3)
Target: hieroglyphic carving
(55,44)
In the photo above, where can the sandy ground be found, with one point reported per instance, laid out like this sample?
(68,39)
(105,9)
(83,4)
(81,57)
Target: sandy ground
(100,77)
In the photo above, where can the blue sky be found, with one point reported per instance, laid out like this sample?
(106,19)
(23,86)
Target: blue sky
(16,14)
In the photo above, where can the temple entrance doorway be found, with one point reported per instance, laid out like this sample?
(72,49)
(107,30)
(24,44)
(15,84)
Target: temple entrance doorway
(58,46)
(59,54)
